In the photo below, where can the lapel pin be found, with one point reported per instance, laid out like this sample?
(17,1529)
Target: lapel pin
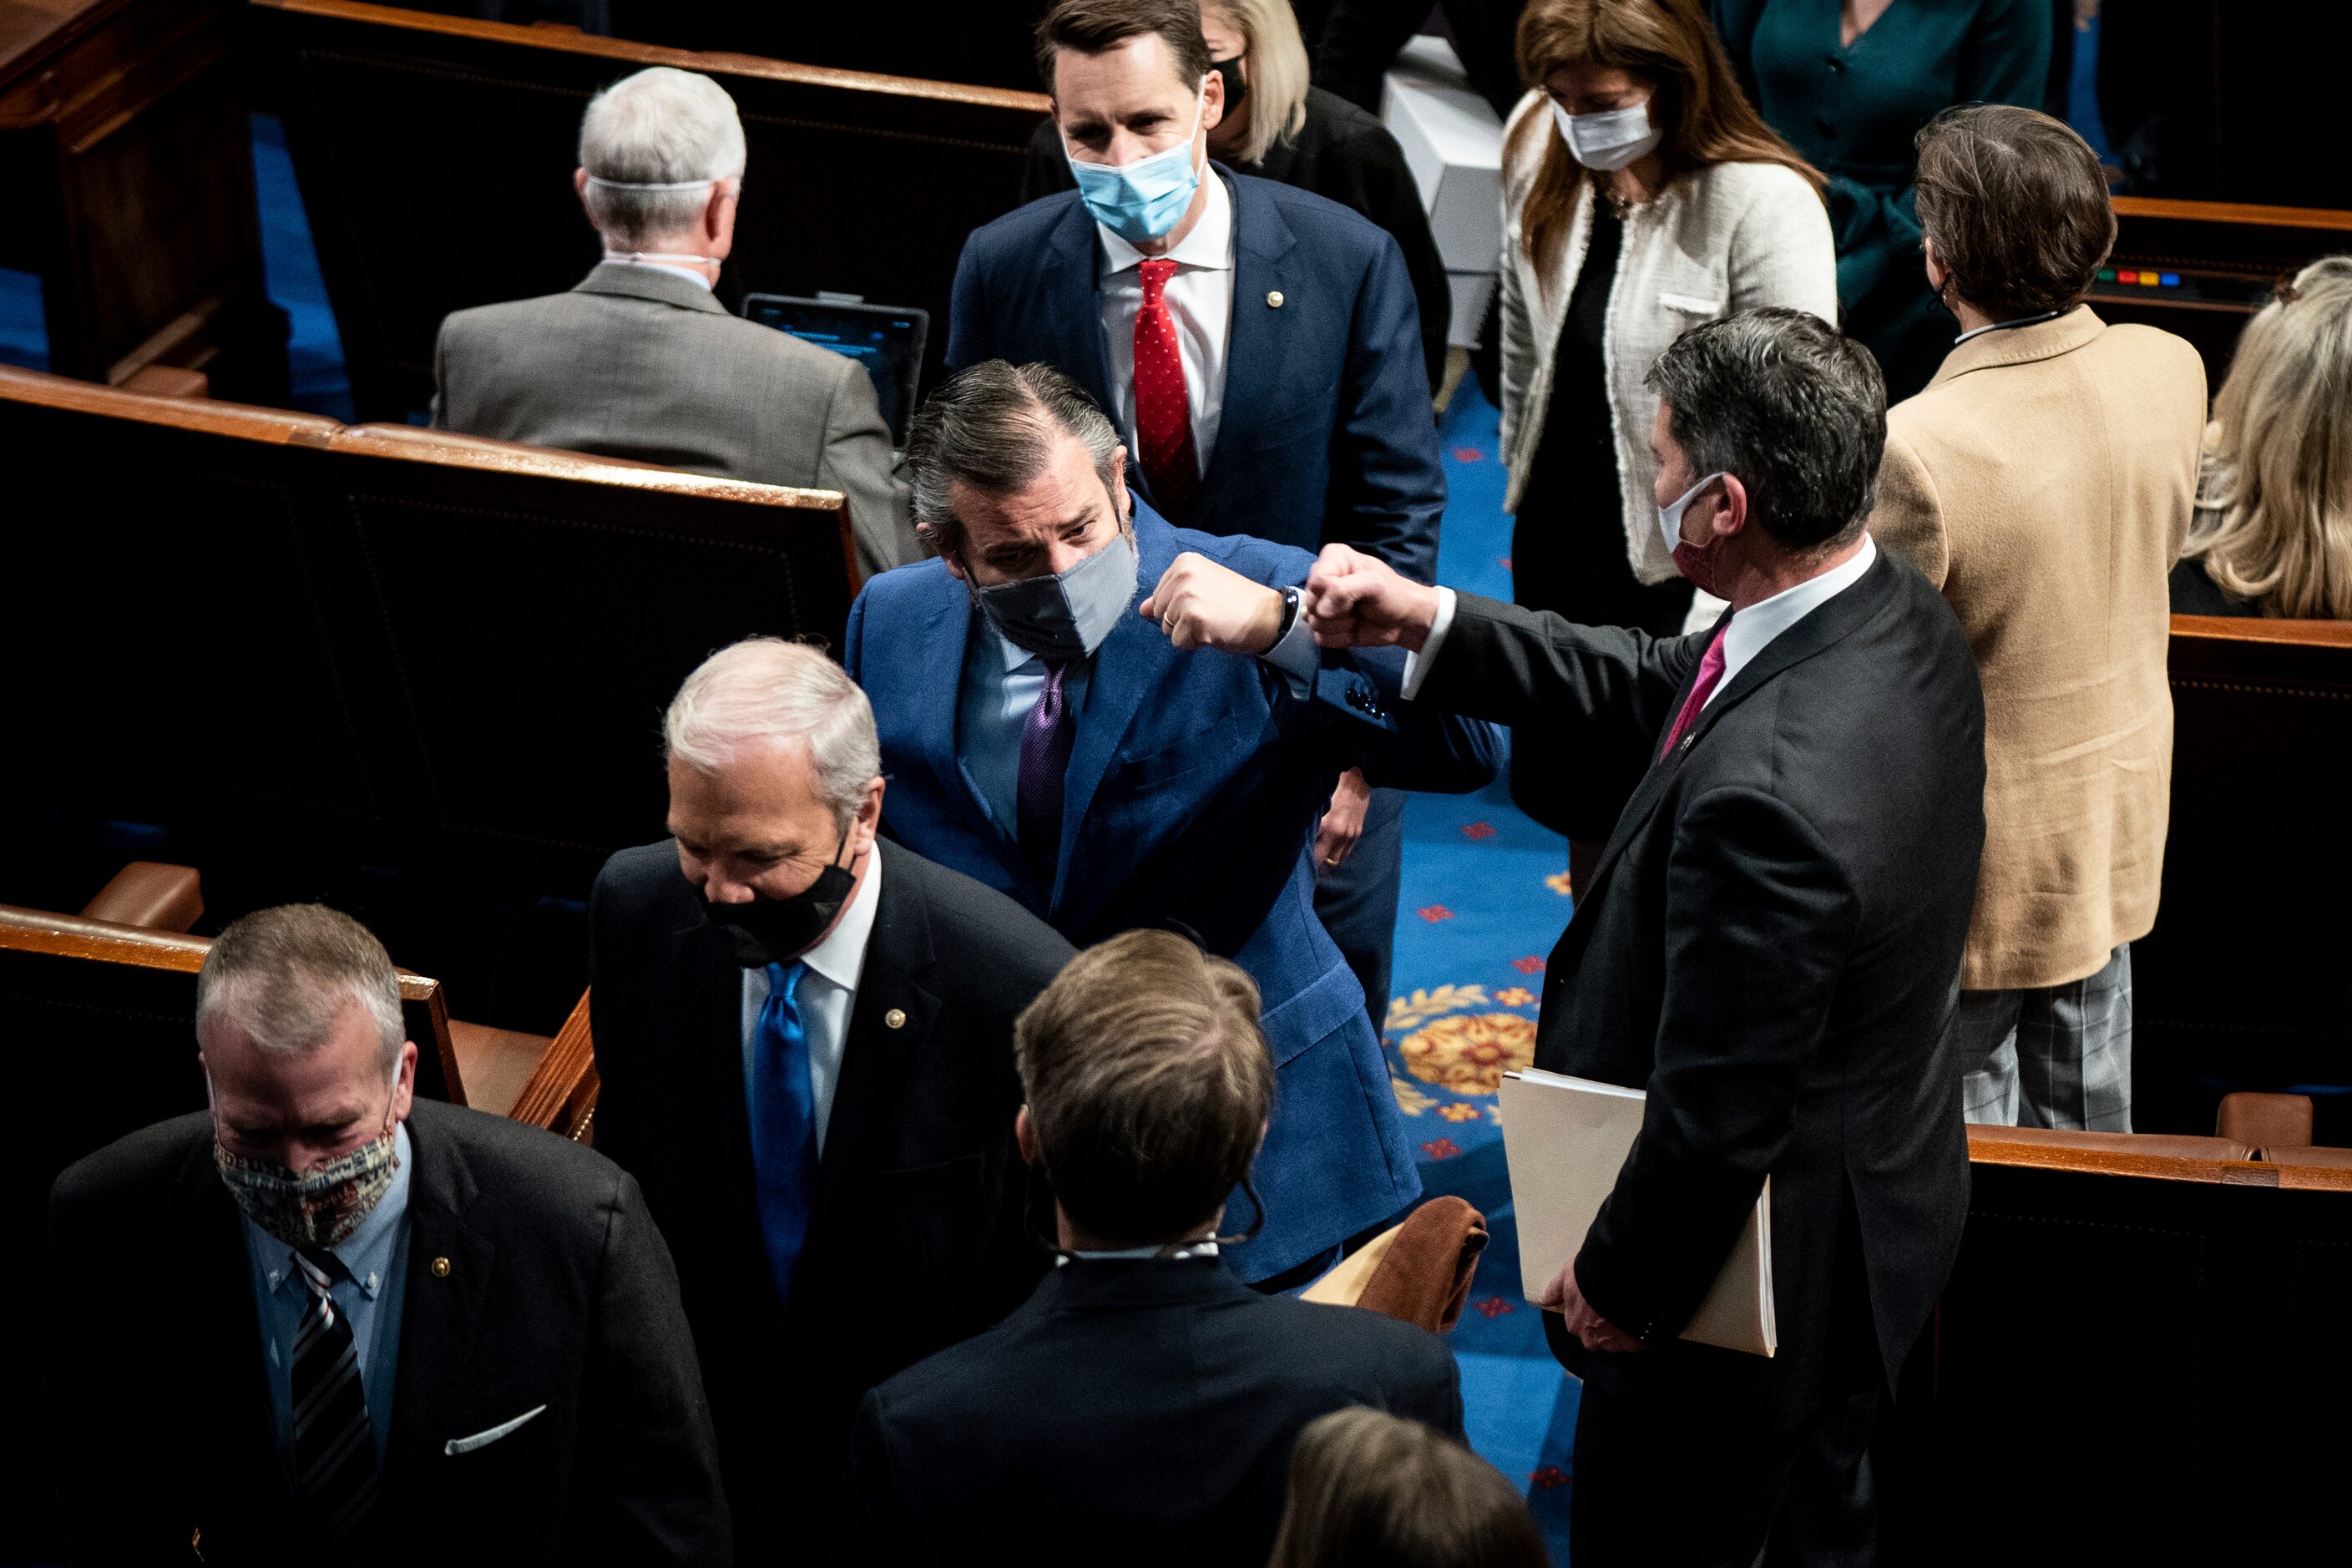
(1274,298)
(440,1268)
(896,1018)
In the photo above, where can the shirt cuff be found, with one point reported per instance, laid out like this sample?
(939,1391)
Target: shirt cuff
(1296,655)
(1416,665)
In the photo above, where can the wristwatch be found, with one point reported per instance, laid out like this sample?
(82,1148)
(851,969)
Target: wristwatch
(1290,603)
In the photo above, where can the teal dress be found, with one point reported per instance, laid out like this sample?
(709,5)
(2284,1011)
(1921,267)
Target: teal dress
(1854,112)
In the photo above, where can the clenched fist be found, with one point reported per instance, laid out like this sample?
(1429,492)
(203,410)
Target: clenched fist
(1200,604)
(1355,600)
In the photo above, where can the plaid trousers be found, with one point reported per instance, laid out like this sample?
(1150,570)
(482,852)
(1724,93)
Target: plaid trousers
(2056,1056)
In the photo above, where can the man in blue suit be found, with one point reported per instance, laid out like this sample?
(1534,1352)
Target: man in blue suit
(1257,346)
(1043,736)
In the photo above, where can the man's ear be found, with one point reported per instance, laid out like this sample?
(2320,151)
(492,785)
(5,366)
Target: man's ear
(719,218)
(1120,502)
(1731,512)
(1213,100)
(1025,1136)
(579,189)
(950,559)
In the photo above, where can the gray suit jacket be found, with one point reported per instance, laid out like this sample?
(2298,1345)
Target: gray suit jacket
(637,363)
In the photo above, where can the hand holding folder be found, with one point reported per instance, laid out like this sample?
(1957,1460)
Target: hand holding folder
(1565,1140)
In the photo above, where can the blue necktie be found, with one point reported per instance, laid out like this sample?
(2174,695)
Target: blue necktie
(783,1124)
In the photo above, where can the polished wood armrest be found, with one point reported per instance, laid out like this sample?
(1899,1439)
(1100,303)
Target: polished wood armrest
(1344,1284)
(496,1063)
(151,895)
(562,1094)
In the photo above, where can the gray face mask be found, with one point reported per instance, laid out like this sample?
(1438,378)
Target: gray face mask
(1069,614)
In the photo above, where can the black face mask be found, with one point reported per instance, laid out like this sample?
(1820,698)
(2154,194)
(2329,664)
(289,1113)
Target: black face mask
(1236,88)
(778,931)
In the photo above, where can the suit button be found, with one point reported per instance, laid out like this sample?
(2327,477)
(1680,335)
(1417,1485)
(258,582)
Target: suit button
(440,1268)
(896,1018)
(1274,298)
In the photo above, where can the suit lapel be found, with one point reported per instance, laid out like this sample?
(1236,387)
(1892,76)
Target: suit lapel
(1073,286)
(1255,343)
(448,1280)
(1129,666)
(221,1324)
(878,1056)
(1824,627)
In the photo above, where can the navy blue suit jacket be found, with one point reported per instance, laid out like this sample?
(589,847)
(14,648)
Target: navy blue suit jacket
(1192,791)
(1327,434)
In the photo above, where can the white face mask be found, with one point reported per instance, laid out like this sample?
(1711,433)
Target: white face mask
(1670,516)
(1610,140)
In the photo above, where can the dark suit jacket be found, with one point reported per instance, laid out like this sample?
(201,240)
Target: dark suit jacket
(1130,1411)
(1769,945)
(535,1277)
(1326,432)
(1340,154)
(916,1235)
(1192,795)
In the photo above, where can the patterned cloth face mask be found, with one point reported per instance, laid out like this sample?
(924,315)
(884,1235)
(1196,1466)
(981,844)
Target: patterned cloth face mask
(314,1208)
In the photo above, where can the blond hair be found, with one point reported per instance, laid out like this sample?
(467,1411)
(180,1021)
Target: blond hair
(1275,56)
(2274,504)
(1369,1490)
(1149,1083)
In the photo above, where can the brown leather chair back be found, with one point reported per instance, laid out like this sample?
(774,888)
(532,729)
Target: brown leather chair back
(2244,979)
(1426,1276)
(406,129)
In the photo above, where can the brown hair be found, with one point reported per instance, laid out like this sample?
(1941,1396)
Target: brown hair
(1148,1084)
(1369,1490)
(2016,207)
(1090,27)
(1696,99)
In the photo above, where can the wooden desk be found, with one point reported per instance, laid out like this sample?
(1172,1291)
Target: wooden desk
(126,152)
(2202,268)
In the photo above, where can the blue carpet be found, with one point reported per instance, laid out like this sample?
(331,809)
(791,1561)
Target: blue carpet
(290,264)
(1485,895)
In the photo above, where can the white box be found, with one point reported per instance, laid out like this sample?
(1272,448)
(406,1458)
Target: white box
(1470,290)
(1454,145)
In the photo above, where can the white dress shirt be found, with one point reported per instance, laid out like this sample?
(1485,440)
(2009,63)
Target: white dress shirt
(1200,301)
(827,993)
(614,258)
(1750,632)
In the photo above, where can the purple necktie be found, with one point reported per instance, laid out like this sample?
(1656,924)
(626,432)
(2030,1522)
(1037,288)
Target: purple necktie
(1046,738)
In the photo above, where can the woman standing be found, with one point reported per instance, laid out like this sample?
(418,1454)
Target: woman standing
(1851,83)
(1278,127)
(1641,195)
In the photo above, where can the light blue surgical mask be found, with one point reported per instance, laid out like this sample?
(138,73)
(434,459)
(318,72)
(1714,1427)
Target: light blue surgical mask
(1069,615)
(1141,202)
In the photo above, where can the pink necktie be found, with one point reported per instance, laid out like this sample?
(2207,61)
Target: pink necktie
(1710,670)
(1163,413)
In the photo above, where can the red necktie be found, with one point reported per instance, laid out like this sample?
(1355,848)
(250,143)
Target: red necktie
(1163,413)
(1710,671)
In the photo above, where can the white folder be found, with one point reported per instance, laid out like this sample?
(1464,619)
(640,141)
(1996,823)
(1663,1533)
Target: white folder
(1564,1140)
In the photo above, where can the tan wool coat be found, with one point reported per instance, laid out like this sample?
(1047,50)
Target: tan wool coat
(2044,481)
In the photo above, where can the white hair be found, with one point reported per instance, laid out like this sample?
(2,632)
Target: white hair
(286,976)
(765,690)
(659,127)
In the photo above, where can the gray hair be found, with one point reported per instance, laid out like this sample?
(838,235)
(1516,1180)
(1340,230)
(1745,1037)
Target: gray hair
(286,976)
(1278,71)
(659,127)
(1789,404)
(763,690)
(993,427)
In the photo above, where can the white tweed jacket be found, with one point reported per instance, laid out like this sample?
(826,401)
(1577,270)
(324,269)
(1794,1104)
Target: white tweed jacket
(1726,238)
